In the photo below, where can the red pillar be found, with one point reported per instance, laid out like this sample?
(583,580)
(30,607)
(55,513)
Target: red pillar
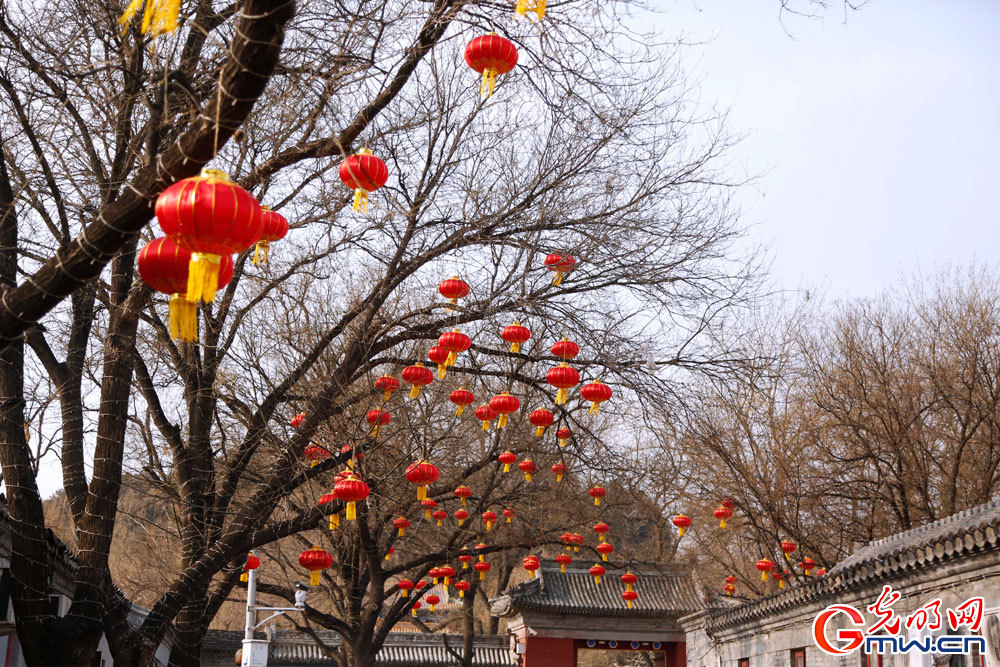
(676,654)
(544,652)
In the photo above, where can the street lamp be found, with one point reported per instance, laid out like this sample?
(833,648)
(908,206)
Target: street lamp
(254,653)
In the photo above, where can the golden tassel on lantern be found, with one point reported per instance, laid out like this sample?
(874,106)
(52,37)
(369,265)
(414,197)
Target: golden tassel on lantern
(489,81)
(595,407)
(763,575)
(781,583)
(489,526)
(527,477)
(361,201)
(261,252)
(334,521)
(352,511)
(502,421)
(414,391)
(722,523)
(561,400)
(459,411)
(540,431)
(314,578)
(244,577)
(629,603)
(159,17)
(680,531)
(559,477)
(461,594)
(203,277)
(486,427)
(422,493)
(183,319)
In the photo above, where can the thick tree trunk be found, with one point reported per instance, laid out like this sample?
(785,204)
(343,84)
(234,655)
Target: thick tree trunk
(189,630)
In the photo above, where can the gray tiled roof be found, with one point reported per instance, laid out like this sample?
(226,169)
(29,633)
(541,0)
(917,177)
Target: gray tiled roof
(662,593)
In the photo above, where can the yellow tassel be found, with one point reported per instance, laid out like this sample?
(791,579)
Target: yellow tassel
(334,521)
(352,511)
(401,532)
(374,435)
(413,612)
(414,391)
(314,578)
(422,493)
(459,411)
(386,396)
(763,575)
(434,581)
(463,501)
(489,526)
(432,607)
(562,568)
(427,514)
(183,319)
(244,577)
(506,467)
(261,252)
(203,277)
(489,81)
(527,477)
(486,426)
(576,549)
(515,347)
(314,464)
(442,370)
(557,280)
(629,603)
(597,502)
(502,421)
(350,462)
(447,582)
(540,431)
(597,580)
(558,478)
(465,566)
(722,523)
(680,531)
(510,520)
(159,17)
(604,557)
(562,442)
(405,593)
(781,584)
(787,557)
(361,201)
(628,587)
(440,522)
(450,361)
(531,574)
(482,576)
(561,397)
(388,556)
(600,537)
(594,408)
(461,521)
(461,594)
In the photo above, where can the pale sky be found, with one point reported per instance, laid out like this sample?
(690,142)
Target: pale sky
(876,136)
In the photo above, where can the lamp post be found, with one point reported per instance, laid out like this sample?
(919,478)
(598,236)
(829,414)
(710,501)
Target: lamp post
(254,653)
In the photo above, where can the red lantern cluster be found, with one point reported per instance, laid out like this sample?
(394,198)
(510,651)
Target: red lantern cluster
(453,342)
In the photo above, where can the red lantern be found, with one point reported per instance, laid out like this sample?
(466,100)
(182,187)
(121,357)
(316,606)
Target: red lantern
(780,578)
(563,561)
(629,580)
(210,216)
(560,265)
(765,565)
(422,474)
(531,563)
(402,523)
(315,560)
(504,405)
(363,173)
(509,515)
(807,565)
(479,548)
(568,540)
(731,579)
(564,434)
(432,600)
(507,459)
(447,572)
(491,55)
(252,564)
(605,548)
(326,499)
(597,493)
(315,454)
(298,419)
(439,356)
(429,506)
(378,419)
(413,610)
(630,597)
(729,588)
(405,586)
(163,265)
(788,547)
(601,529)
(528,467)
(461,587)
(440,516)
(723,513)
(596,393)
(463,492)
(387,384)
(461,515)
(421,585)
(462,397)
(597,572)
(275,229)
(351,490)
(563,377)
(455,342)
(489,518)
(559,469)
(820,572)
(730,503)
(516,335)
(577,542)
(417,376)
(482,568)
(453,289)
(485,414)
(390,552)
(682,522)
(542,419)
(565,349)
(466,559)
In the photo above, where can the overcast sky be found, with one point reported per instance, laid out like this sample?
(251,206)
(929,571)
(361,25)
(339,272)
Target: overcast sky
(877,135)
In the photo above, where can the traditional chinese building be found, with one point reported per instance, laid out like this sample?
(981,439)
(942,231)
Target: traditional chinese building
(954,559)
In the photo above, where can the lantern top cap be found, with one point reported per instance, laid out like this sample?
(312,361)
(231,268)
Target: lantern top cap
(364,151)
(215,174)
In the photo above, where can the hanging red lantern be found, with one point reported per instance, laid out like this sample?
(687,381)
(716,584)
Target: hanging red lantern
(509,515)
(405,586)
(601,529)
(438,355)
(479,549)
(491,55)
(274,229)
(731,579)
(682,522)
(315,560)
(315,454)
(421,585)
(378,419)
(453,289)
(508,459)
(723,513)
(422,474)
(528,467)
(440,516)
(516,335)
(807,565)
(351,490)
(461,587)
(559,469)
(402,523)
(461,515)
(334,517)
(390,552)
(489,518)
(482,568)
(577,542)
(462,397)
(560,265)
(386,384)
(466,559)
(485,414)
(597,493)
(730,503)
(605,548)
(765,565)
(522,7)
(455,342)
(415,608)
(504,405)
(417,376)
(446,572)
(364,173)
(163,265)
(567,539)
(252,564)
(210,216)
(298,419)
(596,393)
(565,349)
(563,377)
(463,492)
(432,600)
(564,434)
(780,578)
(531,564)
(729,588)
(541,418)
(820,572)
(597,572)
(788,547)
(429,506)
(629,579)
(630,597)
(563,561)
